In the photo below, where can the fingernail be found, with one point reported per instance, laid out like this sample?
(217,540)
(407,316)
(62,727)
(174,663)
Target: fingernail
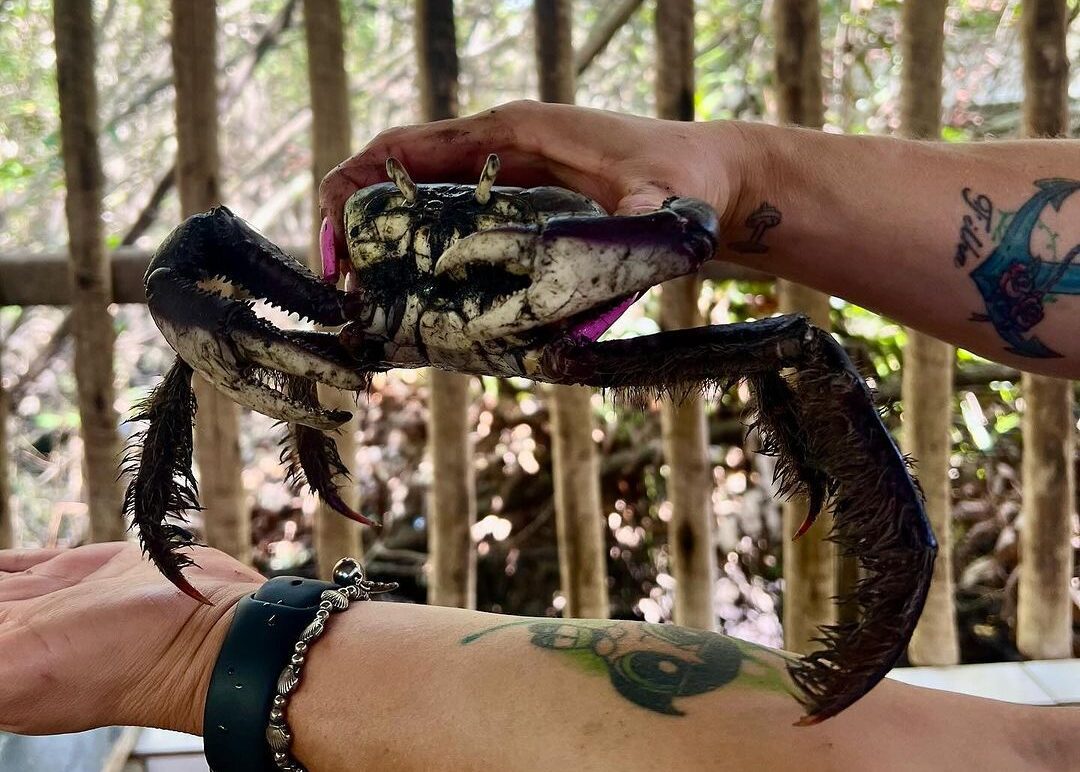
(329,254)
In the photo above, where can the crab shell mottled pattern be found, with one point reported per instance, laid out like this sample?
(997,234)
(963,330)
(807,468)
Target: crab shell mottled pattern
(394,246)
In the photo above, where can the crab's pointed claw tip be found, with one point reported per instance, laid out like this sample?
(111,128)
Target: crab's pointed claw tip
(817,501)
(809,720)
(807,523)
(188,589)
(355,516)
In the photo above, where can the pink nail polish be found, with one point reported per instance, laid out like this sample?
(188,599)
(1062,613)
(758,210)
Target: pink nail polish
(326,249)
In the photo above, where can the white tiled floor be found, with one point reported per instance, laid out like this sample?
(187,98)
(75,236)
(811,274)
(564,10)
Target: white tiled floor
(999,681)
(1059,678)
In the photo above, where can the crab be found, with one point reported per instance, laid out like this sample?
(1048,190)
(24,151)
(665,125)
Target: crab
(523,282)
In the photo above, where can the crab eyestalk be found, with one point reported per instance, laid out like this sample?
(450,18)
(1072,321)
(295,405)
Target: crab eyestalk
(487,179)
(396,172)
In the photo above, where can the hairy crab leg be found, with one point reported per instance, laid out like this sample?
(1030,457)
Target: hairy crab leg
(821,422)
(158,459)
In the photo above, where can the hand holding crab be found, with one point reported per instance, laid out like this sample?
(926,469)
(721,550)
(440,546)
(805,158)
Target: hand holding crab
(522,282)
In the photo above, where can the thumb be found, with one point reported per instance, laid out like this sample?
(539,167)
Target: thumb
(642,201)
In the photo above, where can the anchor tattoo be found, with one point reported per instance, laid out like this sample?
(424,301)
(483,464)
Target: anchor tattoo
(1015,283)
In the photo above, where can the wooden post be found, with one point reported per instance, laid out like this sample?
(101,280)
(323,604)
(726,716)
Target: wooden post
(452,510)
(7,522)
(331,138)
(928,363)
(810,564)
(1044,607)
(579,517)
(90,277)
(217,445)
(685,432)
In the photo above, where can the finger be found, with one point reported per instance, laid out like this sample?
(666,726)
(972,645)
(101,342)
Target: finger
(13,561)
(642,201)
(535,143)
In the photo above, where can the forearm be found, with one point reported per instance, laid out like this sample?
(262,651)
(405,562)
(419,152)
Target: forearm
(900,226)
(413,687)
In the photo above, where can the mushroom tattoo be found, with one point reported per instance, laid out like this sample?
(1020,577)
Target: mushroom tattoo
(523,282)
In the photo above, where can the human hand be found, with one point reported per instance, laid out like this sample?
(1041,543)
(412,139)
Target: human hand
(95,636)
(628,164)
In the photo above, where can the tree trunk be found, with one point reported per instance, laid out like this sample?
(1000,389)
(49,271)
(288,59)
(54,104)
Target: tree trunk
(613,18)
(90,276)
(217,445)
(1044,615)
(452,510)
(926,390)
(811,566)
(579,517)
(7,522)
(335,536)
(683,426)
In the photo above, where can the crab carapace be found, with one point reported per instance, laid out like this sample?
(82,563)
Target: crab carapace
(522,282)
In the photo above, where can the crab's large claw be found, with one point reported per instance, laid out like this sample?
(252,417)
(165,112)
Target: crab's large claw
(581,266)
(269,370)
(221,337)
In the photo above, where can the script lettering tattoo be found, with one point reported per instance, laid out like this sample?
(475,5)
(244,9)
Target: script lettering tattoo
(969,242)
(1017,279)
(764,217)
(653,665)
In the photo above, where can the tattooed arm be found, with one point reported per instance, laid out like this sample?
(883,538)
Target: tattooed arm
(414,687)
(978,244)
(974,243)
(95,636)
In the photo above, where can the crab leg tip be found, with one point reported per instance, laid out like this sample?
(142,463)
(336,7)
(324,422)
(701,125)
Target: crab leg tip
(188,589)
(806,524)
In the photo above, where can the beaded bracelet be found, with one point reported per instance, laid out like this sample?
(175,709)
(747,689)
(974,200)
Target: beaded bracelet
(353,585)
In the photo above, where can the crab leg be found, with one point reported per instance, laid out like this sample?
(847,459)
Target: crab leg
(823,425)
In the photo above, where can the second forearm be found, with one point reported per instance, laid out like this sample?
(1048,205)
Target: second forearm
(881,222)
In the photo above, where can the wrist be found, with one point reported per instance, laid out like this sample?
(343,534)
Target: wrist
(172,692)
(739,153)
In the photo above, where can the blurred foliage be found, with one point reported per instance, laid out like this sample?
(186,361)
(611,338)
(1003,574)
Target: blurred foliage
(266,177)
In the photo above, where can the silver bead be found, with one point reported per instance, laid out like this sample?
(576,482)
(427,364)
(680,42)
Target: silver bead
(348,571)
(322,615)
(301,647)
(279,701)
(276,716)
(297,660)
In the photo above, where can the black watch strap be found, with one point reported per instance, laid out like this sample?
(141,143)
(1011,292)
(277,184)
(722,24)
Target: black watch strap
(260,641)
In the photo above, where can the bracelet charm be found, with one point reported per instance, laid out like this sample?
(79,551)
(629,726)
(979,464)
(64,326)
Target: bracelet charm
(353,585)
